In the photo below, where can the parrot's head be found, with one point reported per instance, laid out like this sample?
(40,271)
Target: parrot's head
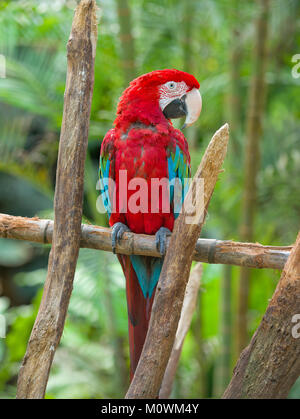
(162,94)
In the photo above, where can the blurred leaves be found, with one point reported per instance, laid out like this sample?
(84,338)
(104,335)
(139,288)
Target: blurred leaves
(14,253)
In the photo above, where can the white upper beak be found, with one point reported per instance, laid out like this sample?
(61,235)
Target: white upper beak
(193,103)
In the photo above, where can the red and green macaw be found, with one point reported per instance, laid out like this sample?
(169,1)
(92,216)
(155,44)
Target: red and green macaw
(144,145)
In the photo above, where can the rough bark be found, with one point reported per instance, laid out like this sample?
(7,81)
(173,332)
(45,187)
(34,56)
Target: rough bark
(226,252)
(252,158)
(188,309)
(174,275)
(270,364)
(48,327)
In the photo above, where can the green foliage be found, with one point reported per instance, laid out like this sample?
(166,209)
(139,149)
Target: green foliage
(19,322)
(33,37)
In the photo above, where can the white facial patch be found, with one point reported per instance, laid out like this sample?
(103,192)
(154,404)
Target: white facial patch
(170,91)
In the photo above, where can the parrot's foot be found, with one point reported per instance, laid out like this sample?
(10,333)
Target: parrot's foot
(161,239)
(118,229)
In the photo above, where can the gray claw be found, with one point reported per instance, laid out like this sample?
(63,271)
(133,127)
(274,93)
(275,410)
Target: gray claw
(161,239)
(118,229)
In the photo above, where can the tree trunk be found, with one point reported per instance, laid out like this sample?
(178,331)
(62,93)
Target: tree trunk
(252,157)
(126,40)
(48,326)
(223,368)
(234,112)
(234,99)
(188,55)
(270,364)
(286,42)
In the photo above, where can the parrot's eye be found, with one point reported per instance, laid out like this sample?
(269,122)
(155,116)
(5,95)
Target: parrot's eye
(171,85)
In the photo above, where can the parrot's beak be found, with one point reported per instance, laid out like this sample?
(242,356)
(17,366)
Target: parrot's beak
(193,103)
(189,105)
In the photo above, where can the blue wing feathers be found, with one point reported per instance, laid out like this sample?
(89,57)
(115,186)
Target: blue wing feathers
(178,168)
(104,186)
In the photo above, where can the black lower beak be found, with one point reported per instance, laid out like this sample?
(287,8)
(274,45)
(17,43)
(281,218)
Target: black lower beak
(176,109)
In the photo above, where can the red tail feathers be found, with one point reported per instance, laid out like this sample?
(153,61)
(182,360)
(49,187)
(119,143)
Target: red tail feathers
(139,311)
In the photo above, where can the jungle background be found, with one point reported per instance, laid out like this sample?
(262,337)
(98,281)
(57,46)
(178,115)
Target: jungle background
(217,41)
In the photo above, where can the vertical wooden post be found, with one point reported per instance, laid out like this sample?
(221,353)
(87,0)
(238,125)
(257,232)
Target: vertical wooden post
(188,309)
(50,320)
(174,276)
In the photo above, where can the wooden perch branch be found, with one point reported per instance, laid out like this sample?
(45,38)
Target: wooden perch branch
(48,327)
(174,275)
(270,364)
(227,252)
(188,308)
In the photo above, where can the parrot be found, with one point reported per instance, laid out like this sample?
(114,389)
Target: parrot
(143,145)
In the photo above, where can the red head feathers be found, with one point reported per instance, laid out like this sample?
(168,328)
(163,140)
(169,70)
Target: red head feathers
(148,95)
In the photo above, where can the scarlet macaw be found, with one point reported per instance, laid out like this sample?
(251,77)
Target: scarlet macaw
(144,145)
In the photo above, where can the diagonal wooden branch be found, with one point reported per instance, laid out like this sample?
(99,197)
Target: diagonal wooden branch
(48,327)
(175,273)
(227,252)
(270,364)
(188,308)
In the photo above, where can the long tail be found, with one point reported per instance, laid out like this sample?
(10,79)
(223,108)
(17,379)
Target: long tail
(141,273)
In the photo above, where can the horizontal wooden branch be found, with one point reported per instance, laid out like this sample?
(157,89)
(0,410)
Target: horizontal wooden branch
(253,255)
